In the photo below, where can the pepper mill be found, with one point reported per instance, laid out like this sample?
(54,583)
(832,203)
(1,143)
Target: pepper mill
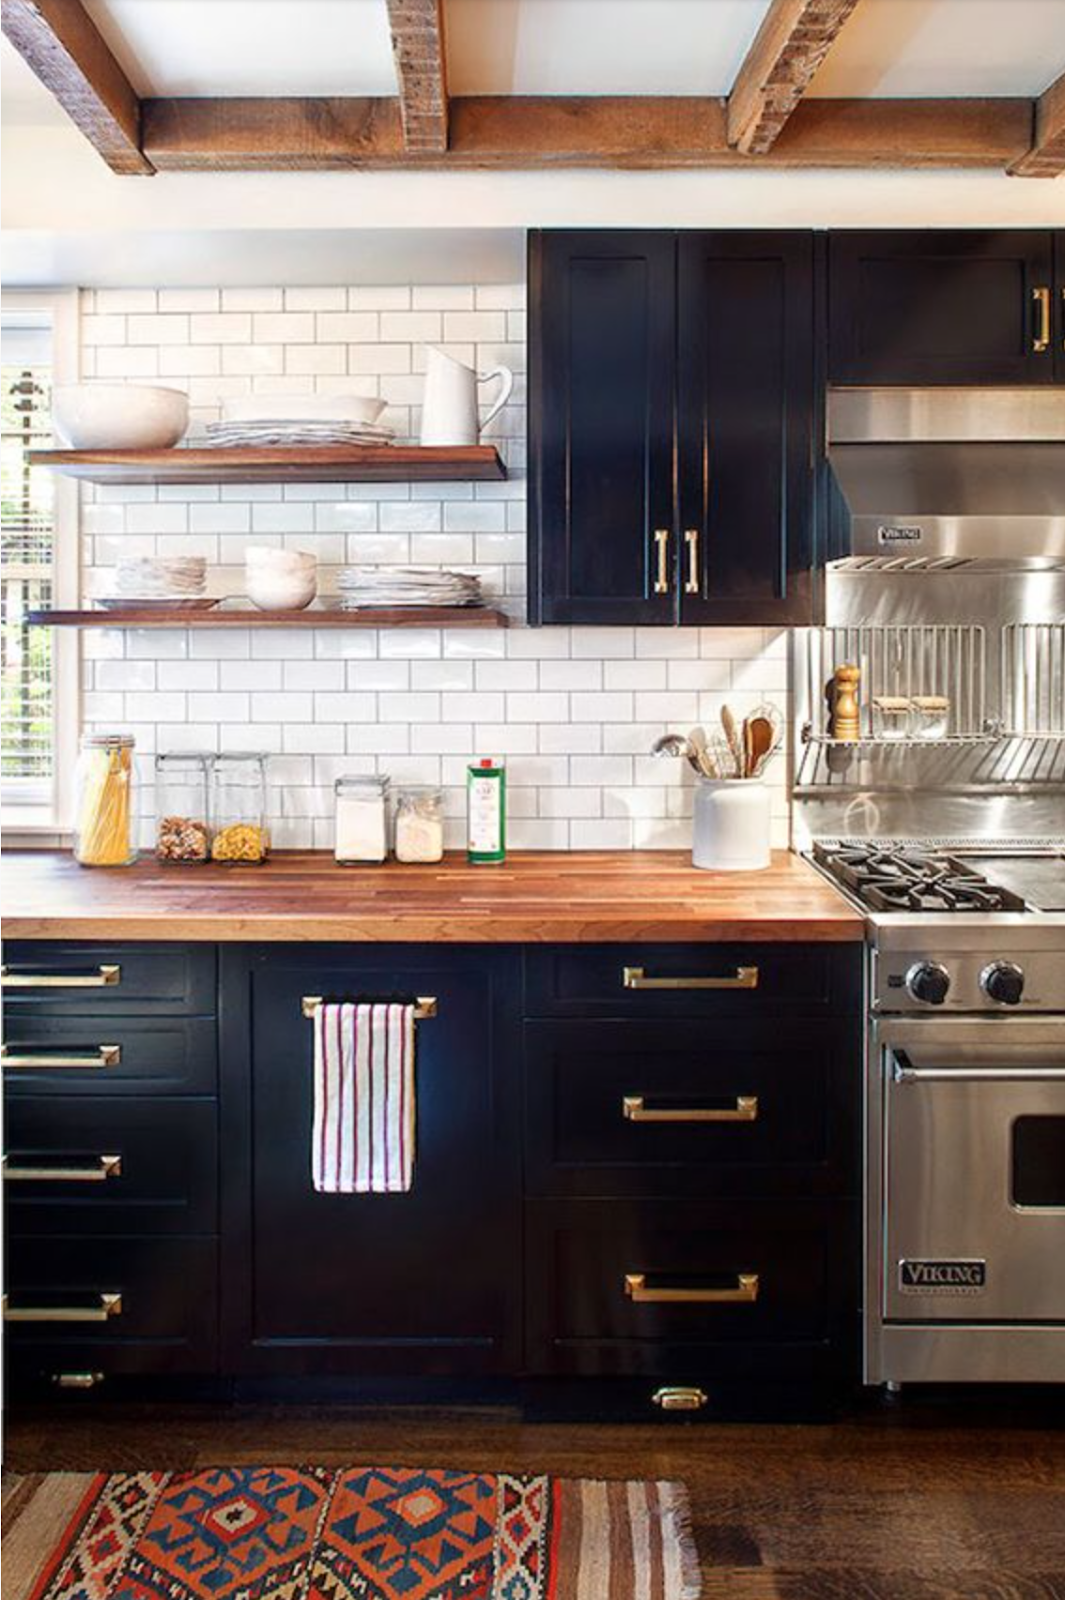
(846,724)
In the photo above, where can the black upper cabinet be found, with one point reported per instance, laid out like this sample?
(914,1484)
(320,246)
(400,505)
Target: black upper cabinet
(929,307)
(671,410)
(745,427)
(1058,327)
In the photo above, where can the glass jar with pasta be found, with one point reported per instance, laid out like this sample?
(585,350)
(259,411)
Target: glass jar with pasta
(238,808)
(105,792)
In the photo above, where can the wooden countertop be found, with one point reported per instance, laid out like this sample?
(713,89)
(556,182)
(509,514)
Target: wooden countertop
(580,897)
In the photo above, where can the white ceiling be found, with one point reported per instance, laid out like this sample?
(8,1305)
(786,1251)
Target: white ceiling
(256,47)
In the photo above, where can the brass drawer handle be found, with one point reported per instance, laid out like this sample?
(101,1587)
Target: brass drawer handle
(1041,335)
(636,978)
(680,1399)
(634,1109)
(97,1169)
(103,978)
(77,1380)
(662,560)
(744,1294)
(691,539)
(103,1055)
(110,1306)
(424,1006)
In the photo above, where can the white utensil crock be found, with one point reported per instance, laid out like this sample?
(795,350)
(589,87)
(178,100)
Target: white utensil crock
(731,825)
(449,404)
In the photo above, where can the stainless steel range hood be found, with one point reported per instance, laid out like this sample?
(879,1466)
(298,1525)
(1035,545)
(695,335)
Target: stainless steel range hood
(930,478)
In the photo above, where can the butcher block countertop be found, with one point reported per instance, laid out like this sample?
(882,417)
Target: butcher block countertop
(582,897)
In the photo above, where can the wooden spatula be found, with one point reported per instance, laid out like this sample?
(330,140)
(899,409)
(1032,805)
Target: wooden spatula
(758,741)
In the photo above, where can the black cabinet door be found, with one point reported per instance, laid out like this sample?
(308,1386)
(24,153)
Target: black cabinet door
(745,426)
(420,1282)
(930,307)
(602,535)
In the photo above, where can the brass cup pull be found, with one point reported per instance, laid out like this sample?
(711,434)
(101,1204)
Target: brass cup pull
(1041,332)
(745,1292)
(691,540)
(680,1398)
(96,1169)
(742,978)
(103,978)
(103,1055)
(662,560)
(110,1305)
(744,1109)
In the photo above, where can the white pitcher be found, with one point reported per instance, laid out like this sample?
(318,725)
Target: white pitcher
(449,404)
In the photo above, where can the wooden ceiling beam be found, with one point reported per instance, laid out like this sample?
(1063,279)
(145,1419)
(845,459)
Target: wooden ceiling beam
(60,42)
(794,39)
(529,132)
(417,28)
(1046,158)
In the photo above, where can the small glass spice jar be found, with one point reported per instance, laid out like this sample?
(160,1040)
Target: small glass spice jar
(419,824)
(104,806)
(182,831)
(238,808)
(361,820)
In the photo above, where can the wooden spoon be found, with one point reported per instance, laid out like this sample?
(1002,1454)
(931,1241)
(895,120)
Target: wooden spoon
(758,740)
(732,734)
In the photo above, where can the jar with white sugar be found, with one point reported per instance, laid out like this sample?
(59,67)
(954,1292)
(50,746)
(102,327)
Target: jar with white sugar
(361,820)
(419,825)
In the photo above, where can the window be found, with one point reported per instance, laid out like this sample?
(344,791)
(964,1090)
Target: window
(38,566)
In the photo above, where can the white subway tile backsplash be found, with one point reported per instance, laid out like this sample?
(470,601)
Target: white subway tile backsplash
(574,711)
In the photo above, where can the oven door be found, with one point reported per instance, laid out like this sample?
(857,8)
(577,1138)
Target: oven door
(973,1169)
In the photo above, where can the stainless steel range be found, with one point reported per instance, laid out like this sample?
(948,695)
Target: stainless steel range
(965,1105)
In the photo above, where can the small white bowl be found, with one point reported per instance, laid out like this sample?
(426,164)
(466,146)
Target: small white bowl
(302,408)
(280,580)
(119,416)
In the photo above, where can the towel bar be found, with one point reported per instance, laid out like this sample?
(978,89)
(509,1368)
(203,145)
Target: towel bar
(424,1005)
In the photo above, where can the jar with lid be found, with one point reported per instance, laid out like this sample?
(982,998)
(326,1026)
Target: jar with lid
(182,831)
(105,794)
(238,808)
(419,824)
(361,820)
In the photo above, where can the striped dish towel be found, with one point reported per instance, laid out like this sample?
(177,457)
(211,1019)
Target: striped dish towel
(363,1137)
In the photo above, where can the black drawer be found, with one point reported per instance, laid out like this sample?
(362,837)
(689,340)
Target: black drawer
(164,1320)
(618,1287)
(747,980)
(173,979)
(699,1108)
(110,1165)
(45,1053)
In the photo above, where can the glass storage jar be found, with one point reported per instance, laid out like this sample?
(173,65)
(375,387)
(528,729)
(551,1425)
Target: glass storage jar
(361,820)
(105,795)
(419,824)
(182,830)
(238,808)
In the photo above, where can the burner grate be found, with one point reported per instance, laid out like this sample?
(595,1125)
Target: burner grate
(888,877)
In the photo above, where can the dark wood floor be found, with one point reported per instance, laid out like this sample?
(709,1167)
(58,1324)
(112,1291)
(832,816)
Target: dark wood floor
(912,1503)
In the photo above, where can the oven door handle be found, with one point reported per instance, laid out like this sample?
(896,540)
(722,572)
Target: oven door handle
(1026,1071)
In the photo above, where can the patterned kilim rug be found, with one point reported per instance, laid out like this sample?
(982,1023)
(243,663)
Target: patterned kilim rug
(352,1533)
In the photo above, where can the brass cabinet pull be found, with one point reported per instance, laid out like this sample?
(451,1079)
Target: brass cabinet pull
(77,1380)
(742,978)
(691,539)
(662,560)
(110,1305)
(1041,336)
(103,978)
(424,1006)
(102,1055)
(744,1294)
(97,1169)
(680,1399)
(745,1109)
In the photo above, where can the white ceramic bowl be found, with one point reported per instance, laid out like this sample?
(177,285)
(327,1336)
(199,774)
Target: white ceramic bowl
(280,580)
(119,416)
(302,408)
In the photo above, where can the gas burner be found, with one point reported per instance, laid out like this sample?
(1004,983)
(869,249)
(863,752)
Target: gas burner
(910,878)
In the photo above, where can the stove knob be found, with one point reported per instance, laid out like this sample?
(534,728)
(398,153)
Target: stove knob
(1003,982)
(928,982)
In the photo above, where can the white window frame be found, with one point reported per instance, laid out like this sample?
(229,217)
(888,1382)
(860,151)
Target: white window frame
(56,815)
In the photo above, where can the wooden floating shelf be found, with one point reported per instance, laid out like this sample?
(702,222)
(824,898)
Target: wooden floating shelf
(312,617)
(394,463)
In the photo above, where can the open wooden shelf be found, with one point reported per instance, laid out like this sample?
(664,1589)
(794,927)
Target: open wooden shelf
(394,463)
(248,617)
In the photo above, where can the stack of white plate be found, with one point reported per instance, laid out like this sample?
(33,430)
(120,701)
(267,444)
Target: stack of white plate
(406,586)
(159,580)
(293,419)
(295,431)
